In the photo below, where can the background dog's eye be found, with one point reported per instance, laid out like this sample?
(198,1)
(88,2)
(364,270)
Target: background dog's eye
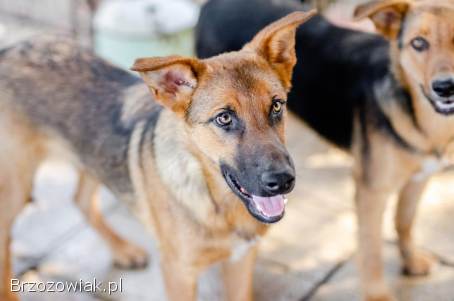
(224,119)
(277,107)
(420,44)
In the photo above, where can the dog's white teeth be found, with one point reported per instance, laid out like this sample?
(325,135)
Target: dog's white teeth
(285,201)
(446,104)
(242,190)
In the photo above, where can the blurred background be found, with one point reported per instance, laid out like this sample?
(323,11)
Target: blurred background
(122,30)
(307,256)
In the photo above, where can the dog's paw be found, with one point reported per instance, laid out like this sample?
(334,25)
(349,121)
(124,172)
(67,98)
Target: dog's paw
(130,256)
(420,264)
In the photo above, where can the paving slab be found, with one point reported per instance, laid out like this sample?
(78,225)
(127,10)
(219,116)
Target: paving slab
(344,285)
(35,277)
(435,222)
(48,219)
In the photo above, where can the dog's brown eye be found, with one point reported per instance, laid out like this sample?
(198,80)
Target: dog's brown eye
(277,107)
(420,44)
(224,119)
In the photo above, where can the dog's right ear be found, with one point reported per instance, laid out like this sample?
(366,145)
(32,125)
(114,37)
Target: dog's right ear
(276,43)
(172,80)
(387,15)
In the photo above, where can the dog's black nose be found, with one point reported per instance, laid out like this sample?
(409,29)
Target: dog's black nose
(278,182)
(444,88)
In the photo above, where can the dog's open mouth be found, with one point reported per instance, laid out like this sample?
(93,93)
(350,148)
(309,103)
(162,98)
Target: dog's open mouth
(441,105)
(266,209)
(445,106)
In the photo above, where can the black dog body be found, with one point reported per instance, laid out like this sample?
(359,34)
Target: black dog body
(335,71)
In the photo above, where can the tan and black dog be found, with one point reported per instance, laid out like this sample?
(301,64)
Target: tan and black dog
(203,161)
(389,101)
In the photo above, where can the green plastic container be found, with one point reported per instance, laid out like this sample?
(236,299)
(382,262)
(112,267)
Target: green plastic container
(126,30)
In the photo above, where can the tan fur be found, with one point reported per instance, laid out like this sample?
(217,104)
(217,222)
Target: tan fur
(179,192)
(391,169)
(15,184)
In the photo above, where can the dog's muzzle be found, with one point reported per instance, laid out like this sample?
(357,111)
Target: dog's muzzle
(269,206)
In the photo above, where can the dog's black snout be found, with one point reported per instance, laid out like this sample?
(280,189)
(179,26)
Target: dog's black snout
(444,88)
(278,182)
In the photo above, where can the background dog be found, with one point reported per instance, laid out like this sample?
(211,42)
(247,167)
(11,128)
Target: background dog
(388,101)
(204,162)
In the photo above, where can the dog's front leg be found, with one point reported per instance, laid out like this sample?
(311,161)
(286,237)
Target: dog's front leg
(415,262)
(238,277)
(5,265)
(180,279)
(370,206)
(13,196)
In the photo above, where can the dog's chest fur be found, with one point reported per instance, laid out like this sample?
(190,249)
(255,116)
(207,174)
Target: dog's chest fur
(436,162)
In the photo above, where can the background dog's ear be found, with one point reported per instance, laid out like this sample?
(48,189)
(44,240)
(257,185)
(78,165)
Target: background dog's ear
(276,43)
(387,15)
(171,80)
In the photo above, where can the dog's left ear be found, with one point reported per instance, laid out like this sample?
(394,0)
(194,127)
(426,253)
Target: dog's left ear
(276,43)
(387,15)
(172,80)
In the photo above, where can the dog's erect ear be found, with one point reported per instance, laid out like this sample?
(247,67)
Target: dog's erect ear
(172,80)
(276,43)
(387,15)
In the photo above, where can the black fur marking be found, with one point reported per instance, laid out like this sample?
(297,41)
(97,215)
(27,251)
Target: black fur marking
(406,102)
(148,132)
(365,143)
(385,125)
(400,35)
(378,119)
(326,87)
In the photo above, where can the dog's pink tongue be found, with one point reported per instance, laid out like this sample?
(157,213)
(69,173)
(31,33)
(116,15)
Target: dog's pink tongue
(270,206)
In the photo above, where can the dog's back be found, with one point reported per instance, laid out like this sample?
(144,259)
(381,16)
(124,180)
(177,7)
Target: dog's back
(335,66)
(68,96)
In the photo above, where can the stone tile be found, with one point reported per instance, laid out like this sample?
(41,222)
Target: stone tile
(344,285)
(295,256)
(323,172)
(435,218)
(434,221)
(34,277)
(49,219)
